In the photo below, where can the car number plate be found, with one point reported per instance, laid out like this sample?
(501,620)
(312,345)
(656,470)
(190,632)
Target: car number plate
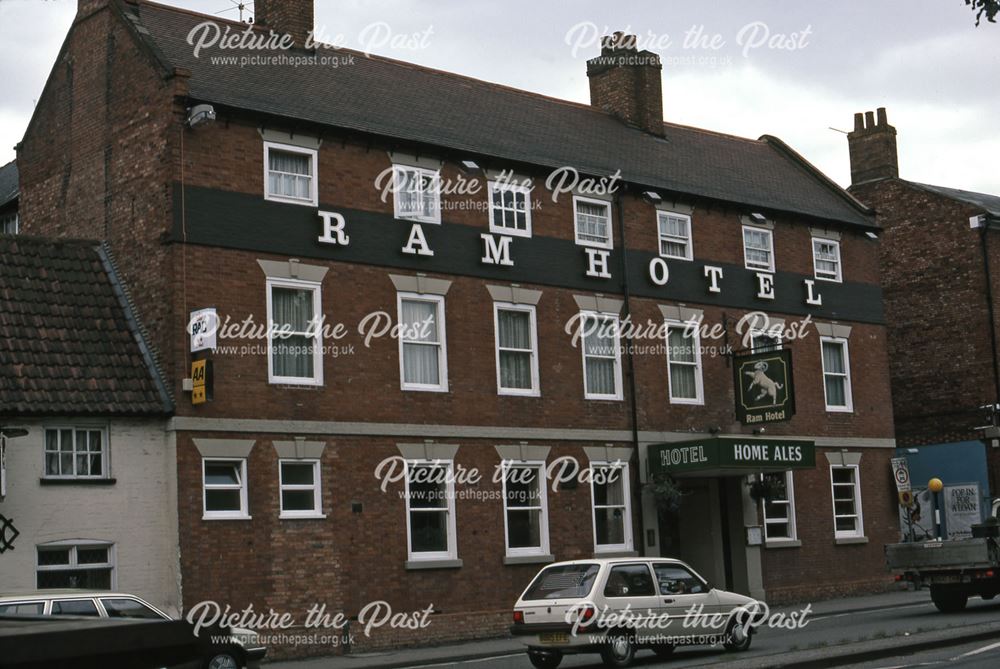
(945,579)
(554,638)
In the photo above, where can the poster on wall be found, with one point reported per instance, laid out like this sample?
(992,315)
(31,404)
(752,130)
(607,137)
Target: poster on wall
(961,509)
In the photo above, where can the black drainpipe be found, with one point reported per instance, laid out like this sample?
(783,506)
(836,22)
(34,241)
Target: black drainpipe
(640,545)
(989,306)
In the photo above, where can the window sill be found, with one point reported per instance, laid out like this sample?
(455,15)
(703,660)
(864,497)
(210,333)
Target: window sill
(312,516)
(529,559)
(290,200)
(840,410)
(206,517)
(81,481)
(783,543)
(847,541)
(423,389)
(417,219)
(433,564)
(513,393)
(603,398)
(510,232)
(615,554)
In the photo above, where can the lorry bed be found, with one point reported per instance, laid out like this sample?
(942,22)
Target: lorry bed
(956,554)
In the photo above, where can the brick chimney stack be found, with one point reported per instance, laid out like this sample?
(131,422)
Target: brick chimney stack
(294,17)
(872,146)
(626,82)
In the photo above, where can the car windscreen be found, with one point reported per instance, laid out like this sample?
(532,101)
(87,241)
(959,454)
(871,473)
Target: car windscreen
(571,581)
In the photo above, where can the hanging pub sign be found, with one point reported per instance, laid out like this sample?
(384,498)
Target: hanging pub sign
(763,385)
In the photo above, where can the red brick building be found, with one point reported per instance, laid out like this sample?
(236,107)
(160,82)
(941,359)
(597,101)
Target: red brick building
(375,192)
(940,265)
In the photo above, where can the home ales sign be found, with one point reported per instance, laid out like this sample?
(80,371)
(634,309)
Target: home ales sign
(721,456)
(764,388)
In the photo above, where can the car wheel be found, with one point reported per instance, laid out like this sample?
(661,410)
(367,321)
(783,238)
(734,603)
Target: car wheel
(224,658)
(737,637)
(949,600)
(618,651)
(545,659)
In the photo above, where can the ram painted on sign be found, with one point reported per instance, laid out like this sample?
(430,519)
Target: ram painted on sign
(764,389)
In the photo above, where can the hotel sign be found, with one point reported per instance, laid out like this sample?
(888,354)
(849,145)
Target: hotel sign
(764,387)
(731,455)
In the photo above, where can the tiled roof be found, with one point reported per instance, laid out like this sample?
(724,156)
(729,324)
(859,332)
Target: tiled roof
(402,101)
(67,344)
(8,183)
(989,203)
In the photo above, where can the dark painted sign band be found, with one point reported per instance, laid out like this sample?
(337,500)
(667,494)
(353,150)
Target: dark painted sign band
(731,455)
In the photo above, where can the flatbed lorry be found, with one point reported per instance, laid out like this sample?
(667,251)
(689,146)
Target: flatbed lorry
(953,569)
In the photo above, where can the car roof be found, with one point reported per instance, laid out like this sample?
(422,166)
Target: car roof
(65,593)
(617,560)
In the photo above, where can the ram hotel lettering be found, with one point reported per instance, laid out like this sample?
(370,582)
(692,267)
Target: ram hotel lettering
(497,251)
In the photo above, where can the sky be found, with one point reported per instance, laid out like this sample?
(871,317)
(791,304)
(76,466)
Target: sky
(797,70)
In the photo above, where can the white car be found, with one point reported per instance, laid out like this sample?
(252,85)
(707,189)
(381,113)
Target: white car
(103,604)
(617,606)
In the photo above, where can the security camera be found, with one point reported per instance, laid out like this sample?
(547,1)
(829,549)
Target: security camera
(200,114)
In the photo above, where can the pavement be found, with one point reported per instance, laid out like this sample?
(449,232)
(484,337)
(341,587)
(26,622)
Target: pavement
(892,625)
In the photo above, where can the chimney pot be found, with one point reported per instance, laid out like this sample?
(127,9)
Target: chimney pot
(870,120)
(859,122)
(881,116)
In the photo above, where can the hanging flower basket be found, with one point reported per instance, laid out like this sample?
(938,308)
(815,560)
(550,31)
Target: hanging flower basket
(666,494)
(766,489)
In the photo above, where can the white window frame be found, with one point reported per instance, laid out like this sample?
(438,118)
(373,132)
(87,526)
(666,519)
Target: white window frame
(8,218)
(789,501)
(74,545)
(770,240)
(543,520)
(497,187)
(848,391)
(397,171)
(316,488)
(313,154)
(838,277)
(698,380)
(576,227)
(105,452)
(442,344)
(859,530)
(661,237)
(452,552)
(295,284)
(535,389)
(244,512)
(627,495)
(618,394)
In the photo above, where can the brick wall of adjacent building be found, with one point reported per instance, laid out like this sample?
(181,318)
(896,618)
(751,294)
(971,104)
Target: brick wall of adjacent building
(937,313)
(95,162)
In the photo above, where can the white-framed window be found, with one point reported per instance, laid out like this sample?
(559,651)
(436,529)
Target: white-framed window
(684,364)
(602,357)
(294,335)
(224,483)
(290,174)
(526,508)
(846,487)
(779,512)
(76,452)
(510,209)
(517,349)
(758,248)
(430,510)
(592,221)
(423,348)
(300,488)
(80,564)
(417,194)
(826,259)
(609,490)
(9,224)
(836,374)
(674,231)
